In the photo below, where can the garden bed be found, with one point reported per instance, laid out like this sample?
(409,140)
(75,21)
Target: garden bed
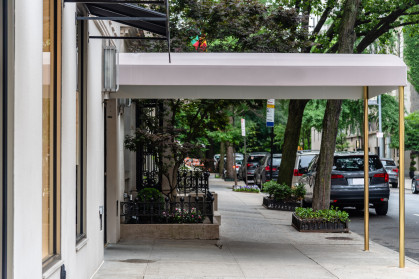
(280,205)
(322,226)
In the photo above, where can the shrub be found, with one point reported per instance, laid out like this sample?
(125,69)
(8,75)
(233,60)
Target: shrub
(150,194)
(283,192)
(330,215)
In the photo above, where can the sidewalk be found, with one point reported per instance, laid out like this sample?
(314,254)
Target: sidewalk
(255,243)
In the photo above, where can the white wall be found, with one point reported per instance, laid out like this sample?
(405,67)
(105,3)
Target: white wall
(27,190)
(27,213)
(90,256)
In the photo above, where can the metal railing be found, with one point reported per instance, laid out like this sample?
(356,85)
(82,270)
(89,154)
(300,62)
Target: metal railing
(190,210)
(193,182)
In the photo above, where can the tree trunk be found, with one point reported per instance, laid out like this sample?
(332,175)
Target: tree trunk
(230,159)
(291,138)
(221,160)
(321,191)
(230,155)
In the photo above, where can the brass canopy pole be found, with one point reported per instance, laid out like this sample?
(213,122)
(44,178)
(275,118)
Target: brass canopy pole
(401,178)
(366,174)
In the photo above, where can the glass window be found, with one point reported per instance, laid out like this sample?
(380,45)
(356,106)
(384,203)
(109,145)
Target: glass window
(388,162)
(276,161)
(356,163)
(51,82)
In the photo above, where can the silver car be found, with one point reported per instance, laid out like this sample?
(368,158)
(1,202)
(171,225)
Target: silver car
(392,170)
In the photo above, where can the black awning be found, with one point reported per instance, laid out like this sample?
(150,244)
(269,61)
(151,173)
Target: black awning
(155,22)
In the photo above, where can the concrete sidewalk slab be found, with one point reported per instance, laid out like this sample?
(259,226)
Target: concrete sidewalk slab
(255,243)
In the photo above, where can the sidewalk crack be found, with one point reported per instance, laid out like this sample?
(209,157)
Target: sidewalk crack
(331,273)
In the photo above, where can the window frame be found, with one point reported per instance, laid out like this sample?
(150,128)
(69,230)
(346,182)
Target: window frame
(3,139)
(81,141)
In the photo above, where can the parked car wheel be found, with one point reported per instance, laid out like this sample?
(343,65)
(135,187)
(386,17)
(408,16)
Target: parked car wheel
(381,209)
(394,185)
(414,190)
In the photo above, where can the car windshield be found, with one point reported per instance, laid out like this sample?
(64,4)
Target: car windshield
(255,158)
(356,163)
(388,163)
(305,161)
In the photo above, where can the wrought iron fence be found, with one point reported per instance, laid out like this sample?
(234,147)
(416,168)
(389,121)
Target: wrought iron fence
(190,210)
(193,182)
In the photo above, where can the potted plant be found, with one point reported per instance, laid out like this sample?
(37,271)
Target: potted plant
(282,196)
(326,220)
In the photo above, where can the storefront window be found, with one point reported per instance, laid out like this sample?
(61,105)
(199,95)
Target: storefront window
(50,128)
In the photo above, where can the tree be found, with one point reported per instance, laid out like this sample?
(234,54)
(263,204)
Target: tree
(412,131)
(371,21)
(321,190)
(179,130)
(411,54)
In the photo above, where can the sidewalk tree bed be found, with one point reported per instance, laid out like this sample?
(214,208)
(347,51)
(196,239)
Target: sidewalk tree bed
(324,221)
(282,196)
(246,188)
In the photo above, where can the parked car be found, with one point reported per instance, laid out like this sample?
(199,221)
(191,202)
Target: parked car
(239,160)
(415,184)
(347,182)
(302,161)
(392,170)
(253,161)
(263,171)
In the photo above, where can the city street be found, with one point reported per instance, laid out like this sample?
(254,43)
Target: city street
(385,229)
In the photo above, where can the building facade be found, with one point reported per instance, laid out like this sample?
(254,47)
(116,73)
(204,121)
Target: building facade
(53,116)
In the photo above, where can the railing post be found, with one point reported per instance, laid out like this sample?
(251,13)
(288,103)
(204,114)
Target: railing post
(182,205)
(167,209)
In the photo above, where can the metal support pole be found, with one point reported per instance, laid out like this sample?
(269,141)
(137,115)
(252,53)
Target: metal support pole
(245,161)
(272,154)
(366,175)
(380,129)
(401,179)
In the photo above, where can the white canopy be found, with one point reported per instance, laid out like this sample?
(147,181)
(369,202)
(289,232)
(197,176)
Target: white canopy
(258,75)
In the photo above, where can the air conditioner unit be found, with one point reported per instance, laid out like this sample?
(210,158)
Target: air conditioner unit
(110,69)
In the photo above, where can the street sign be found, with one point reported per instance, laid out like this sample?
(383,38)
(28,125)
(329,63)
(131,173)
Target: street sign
(270,112)
(243,127)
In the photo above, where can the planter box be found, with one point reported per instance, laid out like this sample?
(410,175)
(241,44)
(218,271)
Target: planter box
(319,226)
(170,231)
(280,205)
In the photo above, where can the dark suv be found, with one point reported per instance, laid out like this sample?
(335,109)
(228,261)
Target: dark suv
(347,182)
(263,171)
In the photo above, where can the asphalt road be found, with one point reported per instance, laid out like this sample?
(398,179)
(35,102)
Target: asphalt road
(385,229)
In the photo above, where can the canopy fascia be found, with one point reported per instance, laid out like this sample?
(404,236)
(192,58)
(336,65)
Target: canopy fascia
(258,75)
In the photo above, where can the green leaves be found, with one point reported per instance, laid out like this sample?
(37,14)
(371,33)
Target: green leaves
(283,192)
(411,54)
(330,215)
